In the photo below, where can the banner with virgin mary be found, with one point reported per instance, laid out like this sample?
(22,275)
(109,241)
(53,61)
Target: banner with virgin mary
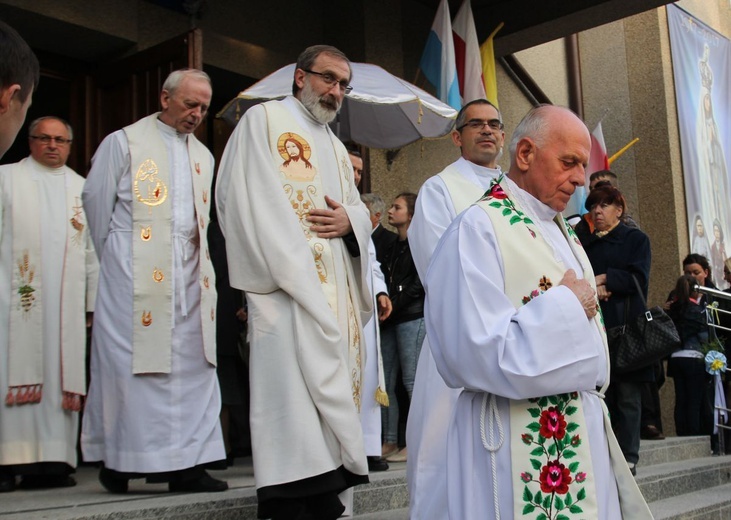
(702,70)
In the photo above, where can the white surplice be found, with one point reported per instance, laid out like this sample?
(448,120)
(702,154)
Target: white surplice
(303,419)
(370,411)
(154,422)
(482,343)
(433,401)
(42,432)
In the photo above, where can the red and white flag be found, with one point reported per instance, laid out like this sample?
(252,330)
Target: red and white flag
(598,159)
(467,55)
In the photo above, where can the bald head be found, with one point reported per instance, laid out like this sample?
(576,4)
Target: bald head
(549,152)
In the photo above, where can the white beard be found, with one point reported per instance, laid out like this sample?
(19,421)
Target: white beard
(311,101)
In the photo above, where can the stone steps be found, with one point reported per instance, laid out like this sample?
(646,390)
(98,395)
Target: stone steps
(677,475)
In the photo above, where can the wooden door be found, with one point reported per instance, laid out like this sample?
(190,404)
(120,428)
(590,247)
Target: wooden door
(126,90)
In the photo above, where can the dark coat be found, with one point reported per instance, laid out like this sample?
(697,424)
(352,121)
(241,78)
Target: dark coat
(404,286)
(623,252)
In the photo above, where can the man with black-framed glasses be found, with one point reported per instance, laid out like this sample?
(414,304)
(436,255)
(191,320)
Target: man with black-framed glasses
(49,269)
(293,220)
(478,132)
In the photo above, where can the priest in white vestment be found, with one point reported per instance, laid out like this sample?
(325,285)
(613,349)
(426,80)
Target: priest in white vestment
(48,272)
(154,398)
(479,134)
(301,247)
(374,383)
(513,320)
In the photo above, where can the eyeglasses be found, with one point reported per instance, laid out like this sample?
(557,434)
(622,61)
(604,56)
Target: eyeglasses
(331,80)
(46,139)
(479,124)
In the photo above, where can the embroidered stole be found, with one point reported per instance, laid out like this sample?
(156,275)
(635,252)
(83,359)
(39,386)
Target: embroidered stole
(551,462)
(302,184)
(462,191)
(152,248)
(26,342)
(552,470)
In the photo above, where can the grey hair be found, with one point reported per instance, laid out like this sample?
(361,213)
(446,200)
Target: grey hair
(175,78)
(460,121)
(533,125)
(306,60)
(34,124)
(374,203)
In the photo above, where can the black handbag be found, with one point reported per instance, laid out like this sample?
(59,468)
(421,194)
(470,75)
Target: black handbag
(643,340)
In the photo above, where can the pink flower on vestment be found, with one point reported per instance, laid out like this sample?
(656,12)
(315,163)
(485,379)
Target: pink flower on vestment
(555,478)
(526,477)
(496,192)
(553,423)
(580,477)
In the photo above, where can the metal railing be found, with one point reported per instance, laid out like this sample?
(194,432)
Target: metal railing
(713,311)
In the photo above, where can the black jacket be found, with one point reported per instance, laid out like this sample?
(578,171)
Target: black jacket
(404,286)
(621,253)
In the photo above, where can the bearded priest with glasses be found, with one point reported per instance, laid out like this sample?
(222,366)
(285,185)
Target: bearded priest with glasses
(293,220)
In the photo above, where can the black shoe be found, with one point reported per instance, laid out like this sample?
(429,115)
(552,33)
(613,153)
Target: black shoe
(7,483)
(202,484)
(377,464)
(112,482)
(46,481)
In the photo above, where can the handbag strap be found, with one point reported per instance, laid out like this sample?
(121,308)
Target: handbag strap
(639,291)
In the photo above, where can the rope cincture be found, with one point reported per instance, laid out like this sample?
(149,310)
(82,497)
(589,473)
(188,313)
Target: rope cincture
(494,419)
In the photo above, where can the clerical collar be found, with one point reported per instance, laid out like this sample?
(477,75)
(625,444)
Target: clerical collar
(169,130)
(483,171)
(47,169)
(535,206)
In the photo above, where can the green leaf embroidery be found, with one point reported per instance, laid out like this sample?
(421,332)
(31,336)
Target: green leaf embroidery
(534,412)
(539,498)
(527,495)
(514,219)
(528,508)
(537,452)
(562,517)
(536,464)
(495,204)
(571,410)
(575,509)
(552,450)
(542,516)
(581,495)
(534,427)
(569,454)
(506,212)
(558,503)
(547,502)
(569,499)
(572,468)
(570,427)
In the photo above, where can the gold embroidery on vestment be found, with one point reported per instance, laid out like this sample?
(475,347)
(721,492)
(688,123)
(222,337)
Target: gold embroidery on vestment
(203,224)
(148,189)
(198,168)
(157,275)
(302,205)
(205,282)
(319,264)
(213,314)
(205,196)
(146,318)
(76,223)
(145,233)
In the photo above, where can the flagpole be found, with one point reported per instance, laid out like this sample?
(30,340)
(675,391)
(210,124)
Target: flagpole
(493,33)
(627,147)
(416,77)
